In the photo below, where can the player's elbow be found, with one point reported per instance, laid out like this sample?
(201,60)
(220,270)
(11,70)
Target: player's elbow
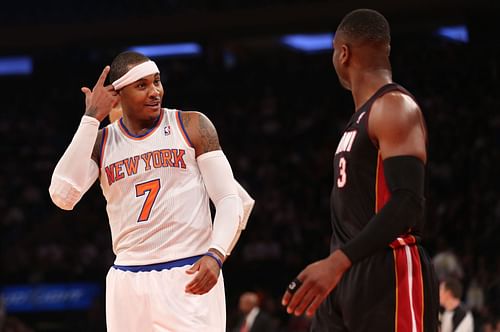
(61,202)
(63,194)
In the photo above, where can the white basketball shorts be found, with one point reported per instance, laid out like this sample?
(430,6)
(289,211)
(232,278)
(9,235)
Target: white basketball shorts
(156,301)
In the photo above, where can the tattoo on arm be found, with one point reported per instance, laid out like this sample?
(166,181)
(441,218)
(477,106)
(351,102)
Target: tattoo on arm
(208,135)
(91,111)
(186,119)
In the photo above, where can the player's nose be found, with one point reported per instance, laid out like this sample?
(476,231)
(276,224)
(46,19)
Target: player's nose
(154,91)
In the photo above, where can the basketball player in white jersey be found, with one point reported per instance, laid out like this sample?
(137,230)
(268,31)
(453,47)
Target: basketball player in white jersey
(157,168)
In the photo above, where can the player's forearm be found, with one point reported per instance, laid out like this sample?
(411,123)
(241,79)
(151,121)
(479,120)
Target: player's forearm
(247,203)
(405,179)
(226,228)
(222,189)
(75,171)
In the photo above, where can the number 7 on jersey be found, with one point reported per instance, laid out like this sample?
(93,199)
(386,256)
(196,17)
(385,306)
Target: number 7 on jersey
(151,189)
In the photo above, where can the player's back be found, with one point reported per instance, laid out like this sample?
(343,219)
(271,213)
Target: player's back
(157,204)
(359,189)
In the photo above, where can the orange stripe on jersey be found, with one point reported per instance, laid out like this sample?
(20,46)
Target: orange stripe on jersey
(382,193)
(409,290)
(182,129)
(103,145)
(125,131)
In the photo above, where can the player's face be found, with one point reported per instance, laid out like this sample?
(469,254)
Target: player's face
(143,98)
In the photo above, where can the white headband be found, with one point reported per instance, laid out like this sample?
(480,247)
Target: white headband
(136,73)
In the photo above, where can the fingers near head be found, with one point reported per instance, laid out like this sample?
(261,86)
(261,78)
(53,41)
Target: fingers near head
(102,78)
(85,90)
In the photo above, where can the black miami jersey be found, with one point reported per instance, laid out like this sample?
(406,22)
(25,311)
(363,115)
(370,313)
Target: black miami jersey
(359,188)
(394,289)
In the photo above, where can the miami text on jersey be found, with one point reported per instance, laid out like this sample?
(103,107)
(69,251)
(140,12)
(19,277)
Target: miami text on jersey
(154,159)
(346,141)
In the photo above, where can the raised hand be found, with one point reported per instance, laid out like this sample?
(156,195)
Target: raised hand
(101,99)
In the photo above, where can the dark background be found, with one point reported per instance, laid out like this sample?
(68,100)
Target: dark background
(279,114)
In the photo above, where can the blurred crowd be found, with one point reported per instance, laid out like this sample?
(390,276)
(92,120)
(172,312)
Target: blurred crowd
(279,115)
(61,12)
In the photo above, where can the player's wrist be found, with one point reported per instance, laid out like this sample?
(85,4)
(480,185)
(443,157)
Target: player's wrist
(94,113)
(340,259)
(215,257)
(218,251)
(89,120)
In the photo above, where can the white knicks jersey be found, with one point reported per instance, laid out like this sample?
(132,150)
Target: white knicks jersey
(157,204)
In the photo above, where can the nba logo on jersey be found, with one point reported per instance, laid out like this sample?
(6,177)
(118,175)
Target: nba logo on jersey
(166,130)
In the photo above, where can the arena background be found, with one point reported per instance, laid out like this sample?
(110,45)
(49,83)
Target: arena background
(279,112)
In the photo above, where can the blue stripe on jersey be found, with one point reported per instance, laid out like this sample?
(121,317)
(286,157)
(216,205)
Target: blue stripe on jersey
(159,266)
(184,129)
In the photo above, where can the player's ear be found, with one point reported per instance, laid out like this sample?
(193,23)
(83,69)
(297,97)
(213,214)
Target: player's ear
(345,54)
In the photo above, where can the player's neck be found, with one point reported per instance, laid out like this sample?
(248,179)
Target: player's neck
(139,126)
(366,83)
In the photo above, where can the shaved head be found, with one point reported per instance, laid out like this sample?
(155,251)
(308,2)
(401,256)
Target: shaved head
(365,26)
(361,46)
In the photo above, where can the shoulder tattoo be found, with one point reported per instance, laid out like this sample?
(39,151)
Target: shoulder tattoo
(208,135)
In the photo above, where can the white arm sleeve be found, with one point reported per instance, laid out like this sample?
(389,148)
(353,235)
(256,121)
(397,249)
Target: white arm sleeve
(76,171)
(248,203)
(221,187)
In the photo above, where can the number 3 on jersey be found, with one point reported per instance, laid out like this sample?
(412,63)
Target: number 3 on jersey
(342,179)
(151,189)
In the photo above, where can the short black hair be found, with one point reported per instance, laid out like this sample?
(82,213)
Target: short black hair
(366,25)
(454,286)
(121,63)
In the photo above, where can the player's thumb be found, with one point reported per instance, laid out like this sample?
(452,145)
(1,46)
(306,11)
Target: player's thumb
(86,91)
(194,268)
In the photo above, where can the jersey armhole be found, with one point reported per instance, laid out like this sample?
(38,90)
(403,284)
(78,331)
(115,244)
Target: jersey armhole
(183,131)
(367,126)
(103,147)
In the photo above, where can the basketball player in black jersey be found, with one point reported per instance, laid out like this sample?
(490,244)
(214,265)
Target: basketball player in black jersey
(377,277)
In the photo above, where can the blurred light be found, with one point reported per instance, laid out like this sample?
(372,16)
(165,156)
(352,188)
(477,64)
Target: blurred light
(457,33)
(49,297)
(309,43)
(22,65)
(229,60)
(168,50)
